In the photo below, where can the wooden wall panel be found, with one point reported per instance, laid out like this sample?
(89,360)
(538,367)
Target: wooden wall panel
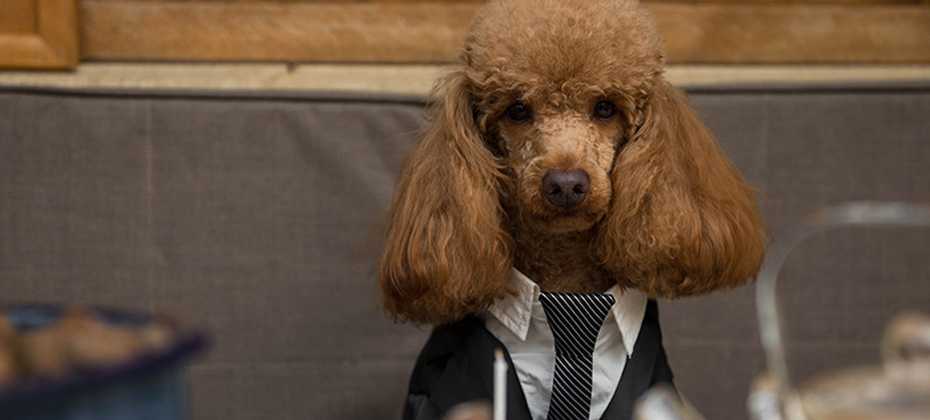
(298,32)
(769,34)
(482,1)
(427,32)
(45,33)
(39,34)
(358,1)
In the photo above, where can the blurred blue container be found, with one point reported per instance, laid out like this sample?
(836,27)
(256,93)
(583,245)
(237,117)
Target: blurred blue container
(149,387)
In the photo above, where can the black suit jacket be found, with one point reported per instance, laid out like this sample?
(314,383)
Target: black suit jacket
(456,366)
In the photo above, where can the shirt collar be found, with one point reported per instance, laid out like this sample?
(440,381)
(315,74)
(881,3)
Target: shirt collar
(515,310)
(628,312)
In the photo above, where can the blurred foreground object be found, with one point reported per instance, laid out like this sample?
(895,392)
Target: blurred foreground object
(470,411)
(663,403)
(69,364)
(7,352)
(898,391)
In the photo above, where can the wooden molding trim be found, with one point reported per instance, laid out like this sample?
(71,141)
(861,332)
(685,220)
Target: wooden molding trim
(431,32)
(40,34)
(418,79)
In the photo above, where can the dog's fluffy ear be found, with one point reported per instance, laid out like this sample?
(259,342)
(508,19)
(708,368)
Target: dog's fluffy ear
(446,255)
(682,219)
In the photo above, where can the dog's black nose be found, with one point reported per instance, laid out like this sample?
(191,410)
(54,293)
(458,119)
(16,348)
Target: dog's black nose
(566,188)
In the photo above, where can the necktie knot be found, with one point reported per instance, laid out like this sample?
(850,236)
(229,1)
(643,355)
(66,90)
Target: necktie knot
(575,320)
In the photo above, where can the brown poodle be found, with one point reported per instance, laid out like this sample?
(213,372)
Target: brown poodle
(558,149)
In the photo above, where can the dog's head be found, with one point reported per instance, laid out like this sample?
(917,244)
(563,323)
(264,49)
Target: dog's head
(559,116)
(556,87)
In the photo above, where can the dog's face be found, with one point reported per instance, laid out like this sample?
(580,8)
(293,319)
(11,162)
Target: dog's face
(558,102)
(560,150)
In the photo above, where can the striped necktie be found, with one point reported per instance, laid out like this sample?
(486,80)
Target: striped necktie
(575,320)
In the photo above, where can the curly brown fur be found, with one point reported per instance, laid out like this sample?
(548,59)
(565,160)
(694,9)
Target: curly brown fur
(665,212)
(446,251)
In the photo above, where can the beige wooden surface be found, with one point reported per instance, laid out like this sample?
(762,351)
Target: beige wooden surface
(408,79)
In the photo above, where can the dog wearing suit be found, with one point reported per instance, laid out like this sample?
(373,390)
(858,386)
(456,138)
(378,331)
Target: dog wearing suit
(557,163)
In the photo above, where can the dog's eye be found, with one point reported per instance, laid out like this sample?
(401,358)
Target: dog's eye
(605,110)
(519,113)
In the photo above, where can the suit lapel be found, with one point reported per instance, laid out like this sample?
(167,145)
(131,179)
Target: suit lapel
(638,372)
(459,382)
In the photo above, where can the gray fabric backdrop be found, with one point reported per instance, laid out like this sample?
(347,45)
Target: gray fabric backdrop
(255,216)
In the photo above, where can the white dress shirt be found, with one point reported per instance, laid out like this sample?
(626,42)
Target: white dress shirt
(519,322)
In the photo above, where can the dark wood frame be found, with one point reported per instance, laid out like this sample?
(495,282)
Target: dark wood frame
(51,44)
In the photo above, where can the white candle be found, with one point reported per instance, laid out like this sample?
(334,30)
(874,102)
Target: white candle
(500,385)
